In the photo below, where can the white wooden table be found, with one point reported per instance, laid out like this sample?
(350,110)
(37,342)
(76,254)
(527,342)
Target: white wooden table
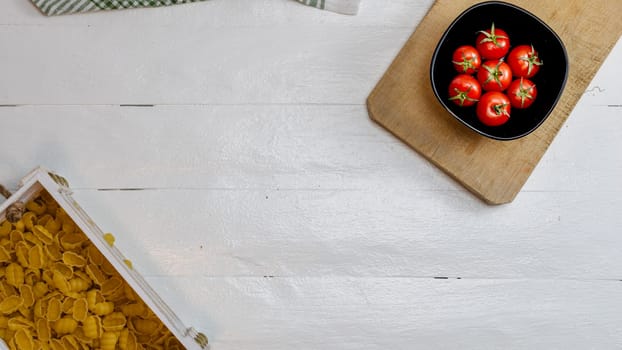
(228,147)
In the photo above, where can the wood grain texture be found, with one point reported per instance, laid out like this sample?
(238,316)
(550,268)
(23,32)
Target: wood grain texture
(201,58)
(404,104)
(345,313)
(360,233)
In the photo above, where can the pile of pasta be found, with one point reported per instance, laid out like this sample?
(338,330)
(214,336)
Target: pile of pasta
(57,291)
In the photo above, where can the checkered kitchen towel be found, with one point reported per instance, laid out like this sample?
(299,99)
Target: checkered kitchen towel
(61,7)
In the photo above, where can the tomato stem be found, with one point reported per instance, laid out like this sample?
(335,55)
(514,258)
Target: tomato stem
(500,109)
(491,37)
(532,60)
(524,93)
(462,96)
(466,63)
(494,73)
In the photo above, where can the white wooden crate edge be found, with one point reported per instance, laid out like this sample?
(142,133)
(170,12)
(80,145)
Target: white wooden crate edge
(41,178)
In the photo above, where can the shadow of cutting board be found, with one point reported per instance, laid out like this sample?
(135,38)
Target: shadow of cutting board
(403,101)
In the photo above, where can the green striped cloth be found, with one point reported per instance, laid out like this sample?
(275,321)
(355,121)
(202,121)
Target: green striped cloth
(61,7)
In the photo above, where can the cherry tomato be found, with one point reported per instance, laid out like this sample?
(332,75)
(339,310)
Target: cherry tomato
(495,75)
(466,59)
(522,92)
(492,43)
(464,90)
(524,61)
(493,108)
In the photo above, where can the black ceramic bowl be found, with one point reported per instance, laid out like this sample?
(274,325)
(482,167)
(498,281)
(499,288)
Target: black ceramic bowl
(523,28)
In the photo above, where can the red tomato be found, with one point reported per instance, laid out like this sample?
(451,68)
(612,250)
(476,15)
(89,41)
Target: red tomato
(524,61)
(464,90)
(495,75)
(466,59)
(492,43)
(522,92)
(493,108)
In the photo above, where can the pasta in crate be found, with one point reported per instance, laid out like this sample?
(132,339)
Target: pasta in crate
(58,290)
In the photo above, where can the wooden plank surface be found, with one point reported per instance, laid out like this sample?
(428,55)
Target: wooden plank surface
(344,313)
(274,220)
(404,104)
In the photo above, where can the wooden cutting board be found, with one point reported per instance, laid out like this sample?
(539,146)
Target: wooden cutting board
(403,101)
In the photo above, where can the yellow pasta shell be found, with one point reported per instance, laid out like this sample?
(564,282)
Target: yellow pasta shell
(7,289)
(67,305)
(63,269)
(53,226)
(40,289)
(68,226)
(109,238)
(65,325)
(14,275)
(80,309)
(43,234)
(103,308)
(40,308)
(94,255)
(92,327)
(72,241)
(111,285)
(108,341)
(23,340)
(146,326)
(60,282)
(27,295)
(52,206)
(123,338)
(32,276)
(5,228)
(18,322)
(53,251)
(37,257)
(78,284)
(31,238)
(108,269)
(10,304)
(93,297)
(16,236)
(161,338)
(54,309)
(175,346)
(71,342)
(114,322)
(48,277)
(5,256)
(96,274)
(21,252)
(60,213)
(73,259)
(19,226)
(25,311)
(132,342)
(150,346)
(30,219)
(43,219)
(83,339)
(43,329)
(134,309)
(56,344)
(37,206)
(82,275)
